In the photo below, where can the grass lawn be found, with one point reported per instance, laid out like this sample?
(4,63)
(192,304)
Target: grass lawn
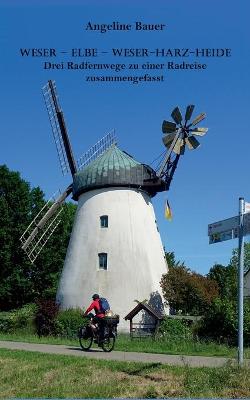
(167,346)
(26,374)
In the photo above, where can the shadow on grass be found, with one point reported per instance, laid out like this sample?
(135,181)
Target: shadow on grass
(142,368)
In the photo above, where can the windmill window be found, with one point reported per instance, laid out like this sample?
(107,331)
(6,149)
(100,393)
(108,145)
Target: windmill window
(103,261)
(104,221)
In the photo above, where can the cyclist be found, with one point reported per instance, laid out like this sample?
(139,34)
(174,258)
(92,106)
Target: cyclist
(99,315)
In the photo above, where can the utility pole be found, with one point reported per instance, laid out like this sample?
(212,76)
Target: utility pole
(241,280)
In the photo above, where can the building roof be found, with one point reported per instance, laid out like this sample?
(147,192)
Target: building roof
(146,307)
(116,168)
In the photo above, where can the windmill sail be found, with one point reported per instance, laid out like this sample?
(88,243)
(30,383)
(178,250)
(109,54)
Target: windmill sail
(168,127)
(189,112)
(177,136)
(43,225)
(167,159)
(176,115)
(198,119)
(59,129)
(97,150)
(199,131)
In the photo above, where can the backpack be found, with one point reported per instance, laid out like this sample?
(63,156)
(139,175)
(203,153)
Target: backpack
(104,305)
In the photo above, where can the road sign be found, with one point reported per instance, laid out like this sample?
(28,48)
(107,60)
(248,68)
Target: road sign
(228,229)
(246,224)
(220,237)
(247,207)
(223,226)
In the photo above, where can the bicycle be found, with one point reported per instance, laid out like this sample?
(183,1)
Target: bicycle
(87,335)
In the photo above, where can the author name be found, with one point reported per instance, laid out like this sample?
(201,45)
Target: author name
(118,26)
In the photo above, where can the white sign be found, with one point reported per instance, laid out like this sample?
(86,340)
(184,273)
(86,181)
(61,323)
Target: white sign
(223,226)
(228,229)
(247,207)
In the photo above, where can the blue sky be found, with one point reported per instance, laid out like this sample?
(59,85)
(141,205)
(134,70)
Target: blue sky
(209,180)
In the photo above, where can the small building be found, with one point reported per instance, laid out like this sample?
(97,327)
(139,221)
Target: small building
(149,323)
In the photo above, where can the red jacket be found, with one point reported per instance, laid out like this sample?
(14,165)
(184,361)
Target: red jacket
(96,306)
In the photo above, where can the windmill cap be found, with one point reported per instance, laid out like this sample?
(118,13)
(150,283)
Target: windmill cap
(95,296)
(114,168)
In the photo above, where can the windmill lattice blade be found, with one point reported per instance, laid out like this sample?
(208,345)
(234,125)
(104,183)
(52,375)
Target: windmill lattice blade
(168,139)
(45,220)
(192,142)
(59,129)
(199,131)
(179,146)
(198,119)
(55,128)
(176,115)
(168,127)
(97,150)
(39,241)
(189,112)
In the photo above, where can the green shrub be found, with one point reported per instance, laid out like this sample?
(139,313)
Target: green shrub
(6,325)
(175,328)
(69,321)
(23,318)
(220,323)
(18,320)
(246,329)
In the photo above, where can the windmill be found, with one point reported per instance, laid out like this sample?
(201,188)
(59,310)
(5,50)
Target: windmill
(115,248)
(178,135)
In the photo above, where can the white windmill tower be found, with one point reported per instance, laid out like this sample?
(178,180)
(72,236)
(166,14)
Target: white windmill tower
(115,248)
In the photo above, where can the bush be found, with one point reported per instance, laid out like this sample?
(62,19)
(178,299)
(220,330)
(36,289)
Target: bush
(23,318)
(69,321)
(246,328)
(173,328)
(220,323)
(6,325)
(45,320)
(19,319)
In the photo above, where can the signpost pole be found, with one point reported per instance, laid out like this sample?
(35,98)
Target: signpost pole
(240,281)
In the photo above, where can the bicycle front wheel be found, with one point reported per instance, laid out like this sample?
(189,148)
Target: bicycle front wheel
(85,339)
(108,343)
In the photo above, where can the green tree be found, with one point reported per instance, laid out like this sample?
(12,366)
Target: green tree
(234,258)
(171,261)
(21,281)
(226,278)
(185,290)
(220,321)
(14,217)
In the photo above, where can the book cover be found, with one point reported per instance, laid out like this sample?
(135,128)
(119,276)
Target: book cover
(134,85)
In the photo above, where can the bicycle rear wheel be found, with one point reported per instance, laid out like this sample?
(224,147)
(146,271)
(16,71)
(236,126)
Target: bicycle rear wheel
(108,342)
(85,338)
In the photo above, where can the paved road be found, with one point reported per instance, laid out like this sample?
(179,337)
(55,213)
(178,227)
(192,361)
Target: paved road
(193,361)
